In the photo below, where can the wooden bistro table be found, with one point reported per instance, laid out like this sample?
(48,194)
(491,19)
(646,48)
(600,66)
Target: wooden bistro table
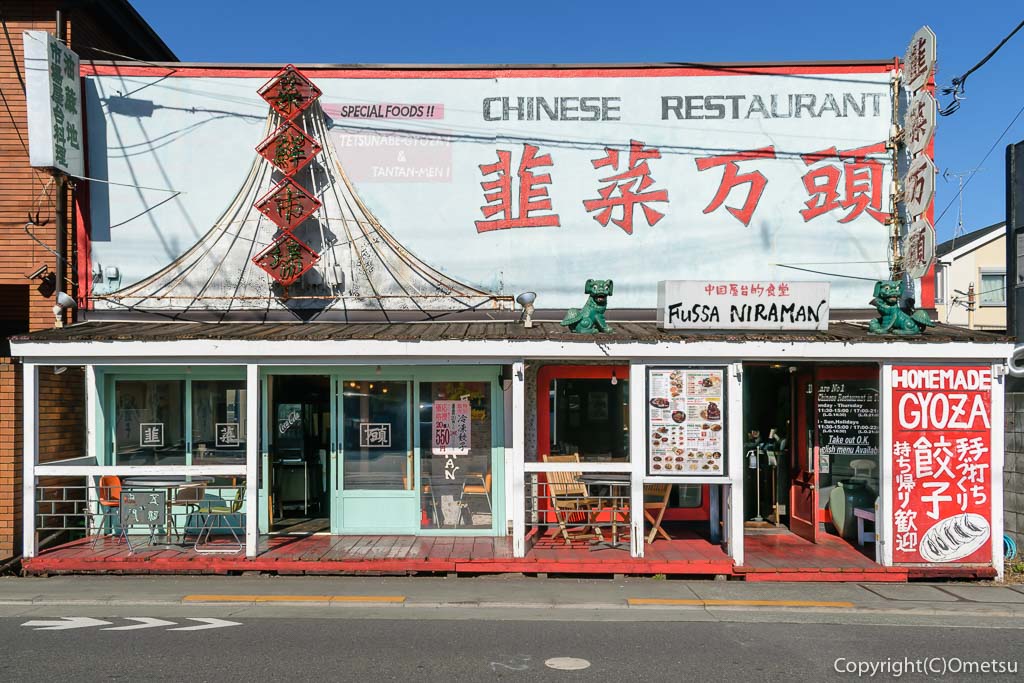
(170,483)
(618,491)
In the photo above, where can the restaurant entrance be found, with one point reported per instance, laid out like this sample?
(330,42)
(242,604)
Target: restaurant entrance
(811,453)
(298,447)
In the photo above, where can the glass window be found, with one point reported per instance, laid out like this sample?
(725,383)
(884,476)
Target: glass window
(218,421)
(456,488)
(993,289)
(149,422)
(378,451)
(590,417)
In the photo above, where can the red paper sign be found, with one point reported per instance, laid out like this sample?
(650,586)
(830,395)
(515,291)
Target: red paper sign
(942,474)
(287,204)
(289,92)
(286,259)
(288,148)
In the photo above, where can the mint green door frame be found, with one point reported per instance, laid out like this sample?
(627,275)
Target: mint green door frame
(376,502)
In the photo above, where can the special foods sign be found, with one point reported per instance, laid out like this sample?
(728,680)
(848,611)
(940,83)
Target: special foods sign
(742,305)
(542,177)
(942,464)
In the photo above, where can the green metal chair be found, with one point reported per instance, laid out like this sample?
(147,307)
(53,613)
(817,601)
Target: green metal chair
(219,517)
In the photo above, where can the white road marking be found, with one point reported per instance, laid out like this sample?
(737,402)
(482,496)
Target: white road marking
(209,623)
(65,623)
(567,663)
(145,622)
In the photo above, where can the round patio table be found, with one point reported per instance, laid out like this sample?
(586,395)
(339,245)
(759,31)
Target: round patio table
(615,484)
(168,482)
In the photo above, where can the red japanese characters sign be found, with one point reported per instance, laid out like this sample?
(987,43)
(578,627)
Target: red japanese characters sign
(289,93)
(287,204)
(286,259)
(942,475)
(288,148)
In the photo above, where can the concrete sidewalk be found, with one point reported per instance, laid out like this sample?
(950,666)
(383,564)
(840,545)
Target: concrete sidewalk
(514,593)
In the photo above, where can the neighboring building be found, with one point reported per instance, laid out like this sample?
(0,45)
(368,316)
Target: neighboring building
(970,279)
(28,270)
(303,328)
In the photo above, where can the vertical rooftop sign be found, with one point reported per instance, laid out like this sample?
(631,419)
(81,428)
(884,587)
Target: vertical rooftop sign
(53,95)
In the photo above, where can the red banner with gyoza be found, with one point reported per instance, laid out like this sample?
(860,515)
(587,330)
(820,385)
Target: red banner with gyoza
(942,464)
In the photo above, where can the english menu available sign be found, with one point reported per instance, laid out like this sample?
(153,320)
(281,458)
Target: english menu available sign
(941,449)
(686,421)
(742,305)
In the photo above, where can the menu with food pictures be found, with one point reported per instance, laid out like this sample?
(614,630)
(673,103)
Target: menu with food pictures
(686,424)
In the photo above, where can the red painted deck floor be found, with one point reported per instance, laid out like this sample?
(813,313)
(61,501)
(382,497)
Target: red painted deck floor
(776,556)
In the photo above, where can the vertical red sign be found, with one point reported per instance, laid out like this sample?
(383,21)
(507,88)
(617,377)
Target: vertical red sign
(942,464)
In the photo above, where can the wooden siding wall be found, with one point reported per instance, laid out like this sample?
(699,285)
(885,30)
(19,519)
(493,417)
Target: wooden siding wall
(23,190)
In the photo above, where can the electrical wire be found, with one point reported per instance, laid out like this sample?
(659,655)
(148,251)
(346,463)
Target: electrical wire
(957,89)
(978,165)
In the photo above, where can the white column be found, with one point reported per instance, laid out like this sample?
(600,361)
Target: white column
(30,456)
(518,451)
(883,518)
(92,431)
(638,453)
(252,451)
(734,494)
(996,468)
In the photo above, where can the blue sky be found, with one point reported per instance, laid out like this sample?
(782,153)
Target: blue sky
(560,31)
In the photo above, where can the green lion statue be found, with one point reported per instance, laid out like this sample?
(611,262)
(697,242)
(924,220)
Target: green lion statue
(590,318)
(894,319)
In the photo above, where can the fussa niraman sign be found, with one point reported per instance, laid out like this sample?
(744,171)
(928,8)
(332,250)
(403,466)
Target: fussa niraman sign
(742,305)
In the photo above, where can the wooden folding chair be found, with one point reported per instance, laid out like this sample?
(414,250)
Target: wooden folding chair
(655,503)
(569,497)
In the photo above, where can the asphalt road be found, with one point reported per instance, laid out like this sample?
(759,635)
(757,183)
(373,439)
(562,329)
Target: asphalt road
(341,649)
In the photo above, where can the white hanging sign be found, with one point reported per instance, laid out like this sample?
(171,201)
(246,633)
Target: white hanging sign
(53,97)
(919,60)
(919,248)
(919,185)
(919,122)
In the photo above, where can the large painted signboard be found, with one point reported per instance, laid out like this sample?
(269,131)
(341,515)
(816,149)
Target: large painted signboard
(447,188)
(942,464)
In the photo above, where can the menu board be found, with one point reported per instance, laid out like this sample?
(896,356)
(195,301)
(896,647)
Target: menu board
(848,420)
(686,422)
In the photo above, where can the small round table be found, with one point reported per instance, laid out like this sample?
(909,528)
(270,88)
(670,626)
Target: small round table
(615,483)
(168,482)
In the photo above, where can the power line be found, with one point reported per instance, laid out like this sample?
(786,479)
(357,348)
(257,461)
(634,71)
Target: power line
(957,88)
(983,159)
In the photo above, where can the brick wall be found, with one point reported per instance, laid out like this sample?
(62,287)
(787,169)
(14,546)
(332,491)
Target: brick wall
(93,34)
(1013,468)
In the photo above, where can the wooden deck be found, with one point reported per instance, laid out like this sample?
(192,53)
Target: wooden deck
(776,556)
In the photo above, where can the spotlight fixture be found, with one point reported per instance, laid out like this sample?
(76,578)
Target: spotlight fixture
(526,300)
(64,302)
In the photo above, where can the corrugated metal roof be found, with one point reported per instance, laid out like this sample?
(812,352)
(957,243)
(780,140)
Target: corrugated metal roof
(624,332)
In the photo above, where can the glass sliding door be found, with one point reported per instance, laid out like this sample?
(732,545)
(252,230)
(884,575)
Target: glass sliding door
(377,447)
(376,488)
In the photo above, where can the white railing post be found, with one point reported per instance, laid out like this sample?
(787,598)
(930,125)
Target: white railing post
(518,501)
(252,433)
(996,469)
(883,517)
(734,496)
(30,456)
(638,453)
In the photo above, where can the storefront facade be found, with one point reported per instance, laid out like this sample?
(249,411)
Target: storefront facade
(505,453)
(343,327)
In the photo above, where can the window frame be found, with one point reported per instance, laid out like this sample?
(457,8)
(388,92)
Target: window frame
(982,273)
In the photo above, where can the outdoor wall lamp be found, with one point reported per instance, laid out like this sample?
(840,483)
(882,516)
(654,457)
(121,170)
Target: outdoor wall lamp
(526,300)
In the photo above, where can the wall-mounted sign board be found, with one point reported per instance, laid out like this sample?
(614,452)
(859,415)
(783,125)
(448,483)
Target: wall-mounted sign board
(742,305)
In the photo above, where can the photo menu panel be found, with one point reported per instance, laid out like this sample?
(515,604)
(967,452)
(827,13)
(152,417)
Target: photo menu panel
(686,422)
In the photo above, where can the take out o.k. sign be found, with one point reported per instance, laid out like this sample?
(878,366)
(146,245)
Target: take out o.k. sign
(942,464)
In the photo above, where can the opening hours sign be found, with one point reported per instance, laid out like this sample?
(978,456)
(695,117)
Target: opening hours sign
(942,457)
